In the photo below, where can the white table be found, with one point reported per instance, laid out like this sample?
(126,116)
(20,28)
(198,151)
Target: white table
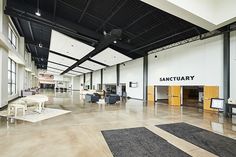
(39,100)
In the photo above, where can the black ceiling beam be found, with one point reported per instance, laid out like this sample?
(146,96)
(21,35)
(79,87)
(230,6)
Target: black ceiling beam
(112,14)
(68,67)
(98,62)
(19,26)
(153,27)
(54,9)
(30,29)
(163,39)
(103,44)
(27,12)
(101,20)
(69,58)
(138,19)
(57,53)
(84,11)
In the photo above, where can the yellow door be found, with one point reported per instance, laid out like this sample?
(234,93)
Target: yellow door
(210,92)
(174,95)
(151,93)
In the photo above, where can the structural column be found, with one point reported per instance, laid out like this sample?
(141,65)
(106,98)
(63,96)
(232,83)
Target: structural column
(91,80)
(3,77)
(145,77)
(101,79)
(84,81)
(117,74)
(226,71)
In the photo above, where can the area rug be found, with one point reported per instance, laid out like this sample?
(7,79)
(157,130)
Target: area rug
(33,117)
(212,142)
(139,142)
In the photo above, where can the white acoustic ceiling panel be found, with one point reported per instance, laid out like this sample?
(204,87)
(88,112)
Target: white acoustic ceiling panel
(54,70)
(74,73)
(60,59)
(91,65)
(81,70)
(68,74)
(66,45)
(57,66)
(110,57)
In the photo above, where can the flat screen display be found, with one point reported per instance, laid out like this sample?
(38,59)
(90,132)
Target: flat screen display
(217,103)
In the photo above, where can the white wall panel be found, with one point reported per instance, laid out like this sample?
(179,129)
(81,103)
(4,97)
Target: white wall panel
(96,78)
(75,83)
(109,75)
(203,59)
(233,65)
(87,78)
(132,71)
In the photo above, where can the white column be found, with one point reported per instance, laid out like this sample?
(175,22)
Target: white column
(3,77)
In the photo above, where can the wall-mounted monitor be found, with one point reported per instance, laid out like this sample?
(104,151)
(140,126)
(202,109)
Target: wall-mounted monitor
(217,103)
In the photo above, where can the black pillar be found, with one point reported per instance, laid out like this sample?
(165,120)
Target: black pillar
(84,81)
(145,77)
(91,80)
(226,71)
(117,74)
(101,79)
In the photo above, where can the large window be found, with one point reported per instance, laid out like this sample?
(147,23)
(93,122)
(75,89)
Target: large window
(11,77)
(12,37)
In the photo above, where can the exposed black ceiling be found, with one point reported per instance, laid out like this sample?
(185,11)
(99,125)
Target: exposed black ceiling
(143,26)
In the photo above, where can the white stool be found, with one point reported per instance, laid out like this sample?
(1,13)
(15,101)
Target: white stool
(15,107)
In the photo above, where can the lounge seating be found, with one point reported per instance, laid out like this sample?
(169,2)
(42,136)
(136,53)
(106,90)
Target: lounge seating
(91,98)
(112,98)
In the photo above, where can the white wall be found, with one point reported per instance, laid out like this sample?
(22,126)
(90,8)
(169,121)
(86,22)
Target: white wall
(203,59)
(87,79)
(109,75)
(81,80)
(233,65)
(132,71)
(75,83)
(96,78)
(3,77)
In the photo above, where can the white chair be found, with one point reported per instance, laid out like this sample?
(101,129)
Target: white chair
(15,107)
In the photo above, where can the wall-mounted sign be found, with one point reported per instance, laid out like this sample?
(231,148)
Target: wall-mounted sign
(133,84)
(177,78)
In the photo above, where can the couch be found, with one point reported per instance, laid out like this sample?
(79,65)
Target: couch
(91,98)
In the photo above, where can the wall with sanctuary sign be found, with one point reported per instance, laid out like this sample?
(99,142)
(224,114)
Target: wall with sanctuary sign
(198,63)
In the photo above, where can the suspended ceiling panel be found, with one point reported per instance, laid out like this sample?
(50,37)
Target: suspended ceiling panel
(57,66)
(60,59)
(52,73)
(68,74)
(110,57)
(74,73)
(68,46)
(92,65)
(81,70)
(54,70)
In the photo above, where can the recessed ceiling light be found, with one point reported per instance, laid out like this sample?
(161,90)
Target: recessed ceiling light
(115,42)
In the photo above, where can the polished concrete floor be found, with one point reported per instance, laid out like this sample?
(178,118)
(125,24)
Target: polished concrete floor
(79,133)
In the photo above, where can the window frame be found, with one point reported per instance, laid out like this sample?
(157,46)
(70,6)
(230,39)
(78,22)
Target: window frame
(11,80)
(11,34)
